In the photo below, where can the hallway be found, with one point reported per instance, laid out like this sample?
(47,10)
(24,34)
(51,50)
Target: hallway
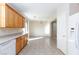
(40,46)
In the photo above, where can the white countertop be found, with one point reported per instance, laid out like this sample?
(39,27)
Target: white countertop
(10,37)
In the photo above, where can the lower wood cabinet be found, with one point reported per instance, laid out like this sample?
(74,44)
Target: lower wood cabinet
(20,43)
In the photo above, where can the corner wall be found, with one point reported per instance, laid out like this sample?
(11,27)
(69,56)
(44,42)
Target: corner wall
(62,22)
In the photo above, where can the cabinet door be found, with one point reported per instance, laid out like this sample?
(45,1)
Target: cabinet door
(22,45)
(18,45)
(23,41)
(16,20)
(20,22)
(23,22)
(10,17)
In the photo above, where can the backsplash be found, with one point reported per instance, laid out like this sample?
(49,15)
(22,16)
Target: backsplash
(8,31)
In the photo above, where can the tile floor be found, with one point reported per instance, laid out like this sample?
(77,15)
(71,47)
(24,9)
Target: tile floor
(41,46)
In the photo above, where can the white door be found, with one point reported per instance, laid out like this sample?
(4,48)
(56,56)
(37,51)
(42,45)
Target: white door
(73,34)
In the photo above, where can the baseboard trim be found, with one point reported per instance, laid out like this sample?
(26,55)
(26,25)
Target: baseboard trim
(61,51)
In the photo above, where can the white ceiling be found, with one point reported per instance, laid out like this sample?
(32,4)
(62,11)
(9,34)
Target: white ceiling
(37,11)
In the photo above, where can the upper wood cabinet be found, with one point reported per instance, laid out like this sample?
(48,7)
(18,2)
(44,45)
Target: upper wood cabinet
(9,18)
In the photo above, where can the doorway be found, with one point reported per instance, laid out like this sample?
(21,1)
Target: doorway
(53,32)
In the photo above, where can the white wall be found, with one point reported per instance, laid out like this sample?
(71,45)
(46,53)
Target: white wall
(47,29)
(62,20)
(37,28)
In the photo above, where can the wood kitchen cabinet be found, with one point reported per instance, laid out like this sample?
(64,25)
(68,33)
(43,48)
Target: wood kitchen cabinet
(10,18)
(24,40)
(20,43)
(19,21)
